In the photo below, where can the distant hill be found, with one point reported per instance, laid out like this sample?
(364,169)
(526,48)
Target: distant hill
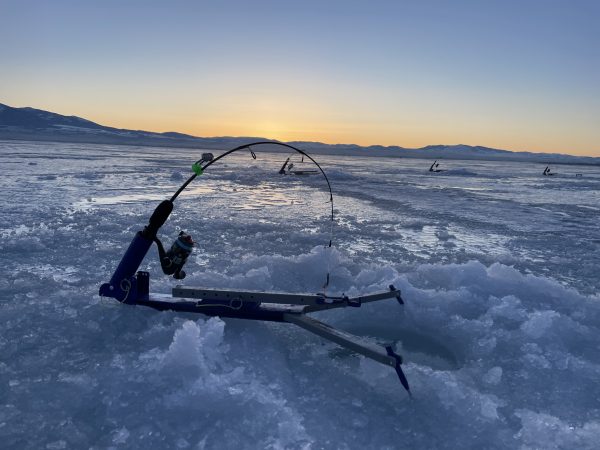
(38,125)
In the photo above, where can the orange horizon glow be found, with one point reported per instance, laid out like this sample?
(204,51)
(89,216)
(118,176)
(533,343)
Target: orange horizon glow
(292,125)
(314,133)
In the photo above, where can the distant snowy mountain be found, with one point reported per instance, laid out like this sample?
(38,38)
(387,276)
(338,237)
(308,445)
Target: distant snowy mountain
(38,125)
(462,151)
(36,119)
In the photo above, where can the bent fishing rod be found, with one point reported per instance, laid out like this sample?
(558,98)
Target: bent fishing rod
(172,261)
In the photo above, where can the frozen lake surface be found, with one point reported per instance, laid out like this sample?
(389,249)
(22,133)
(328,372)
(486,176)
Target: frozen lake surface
(498,265)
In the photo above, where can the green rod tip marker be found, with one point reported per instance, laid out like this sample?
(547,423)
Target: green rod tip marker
(197,169)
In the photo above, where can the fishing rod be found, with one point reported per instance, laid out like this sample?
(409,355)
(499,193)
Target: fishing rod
(132,287)
(173,260)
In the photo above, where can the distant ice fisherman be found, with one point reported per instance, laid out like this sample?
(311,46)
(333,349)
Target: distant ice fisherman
(434,167)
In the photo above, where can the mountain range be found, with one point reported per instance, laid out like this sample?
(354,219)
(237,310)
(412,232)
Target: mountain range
(38,125)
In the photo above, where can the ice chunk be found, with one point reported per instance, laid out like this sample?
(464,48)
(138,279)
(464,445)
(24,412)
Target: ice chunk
(493,376)
(541,430)
(539,323)
(197,344)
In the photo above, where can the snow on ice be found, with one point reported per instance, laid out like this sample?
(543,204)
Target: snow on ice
(498,266)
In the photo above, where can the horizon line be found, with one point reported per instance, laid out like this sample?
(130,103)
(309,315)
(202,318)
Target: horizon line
(323,142)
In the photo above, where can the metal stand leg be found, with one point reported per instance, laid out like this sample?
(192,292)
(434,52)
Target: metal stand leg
(373,351)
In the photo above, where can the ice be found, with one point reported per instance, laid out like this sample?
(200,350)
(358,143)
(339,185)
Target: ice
(498,267)
(539,323)
(541,430)
(493,376)
(193,346)
(177,176)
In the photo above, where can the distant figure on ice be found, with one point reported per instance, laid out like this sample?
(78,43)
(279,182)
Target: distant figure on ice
(434,167)
(547,171)
(287,167)
(282,170)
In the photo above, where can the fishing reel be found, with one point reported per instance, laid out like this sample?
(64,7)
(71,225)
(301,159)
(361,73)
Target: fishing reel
(172,261)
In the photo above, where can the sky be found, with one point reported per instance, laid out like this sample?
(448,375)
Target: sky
(516,75)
